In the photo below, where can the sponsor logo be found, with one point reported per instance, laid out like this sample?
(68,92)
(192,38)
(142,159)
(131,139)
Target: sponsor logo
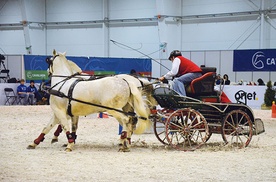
(242,96)
(259,60)
(29,75)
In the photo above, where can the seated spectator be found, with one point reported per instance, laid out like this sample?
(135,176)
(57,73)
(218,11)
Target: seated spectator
(218,79)
(43,90)
(260,82)
(22,92)
(33,89)
(226,80)
(251,83)
(240,82)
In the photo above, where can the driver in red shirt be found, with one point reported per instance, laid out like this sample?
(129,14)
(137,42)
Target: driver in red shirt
(183,72)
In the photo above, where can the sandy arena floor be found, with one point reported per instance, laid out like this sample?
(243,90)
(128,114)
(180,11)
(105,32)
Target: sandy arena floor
(96,157)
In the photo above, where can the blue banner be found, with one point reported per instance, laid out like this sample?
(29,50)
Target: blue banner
(36,66)
(254,60)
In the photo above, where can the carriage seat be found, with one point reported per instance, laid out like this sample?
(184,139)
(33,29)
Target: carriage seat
(203,85)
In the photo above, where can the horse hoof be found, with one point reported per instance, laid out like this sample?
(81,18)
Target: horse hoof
(31,147)
(68,150)
(54,141)
(124,150)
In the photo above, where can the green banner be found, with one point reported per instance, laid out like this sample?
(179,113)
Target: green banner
(36,74)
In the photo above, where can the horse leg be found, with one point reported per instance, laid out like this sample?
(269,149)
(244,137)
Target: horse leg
(45,130)
(125,137)
(74,121)
(63,120)
(56,134)
(70,137)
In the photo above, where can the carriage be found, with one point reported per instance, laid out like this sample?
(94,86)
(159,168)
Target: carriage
(186,123)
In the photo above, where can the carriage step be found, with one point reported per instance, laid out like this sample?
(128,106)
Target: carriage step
(258,127)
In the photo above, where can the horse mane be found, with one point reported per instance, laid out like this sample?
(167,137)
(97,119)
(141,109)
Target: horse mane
(74,67)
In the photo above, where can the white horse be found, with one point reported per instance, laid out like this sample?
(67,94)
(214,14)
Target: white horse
(142,84)
(80,98)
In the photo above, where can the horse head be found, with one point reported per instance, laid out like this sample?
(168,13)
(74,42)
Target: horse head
(59,64)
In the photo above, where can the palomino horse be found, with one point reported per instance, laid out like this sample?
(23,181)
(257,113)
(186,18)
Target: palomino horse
(71,96)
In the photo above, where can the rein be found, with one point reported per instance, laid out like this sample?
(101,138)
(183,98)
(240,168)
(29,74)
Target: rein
(61,94)
(64,81)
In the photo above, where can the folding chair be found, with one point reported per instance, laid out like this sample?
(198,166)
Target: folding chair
(20,100)
(11,98)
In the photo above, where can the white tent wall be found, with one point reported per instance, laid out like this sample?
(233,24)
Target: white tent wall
(198,28)
(13,35)
(227,24)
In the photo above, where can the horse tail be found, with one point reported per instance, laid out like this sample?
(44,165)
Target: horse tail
(141,110)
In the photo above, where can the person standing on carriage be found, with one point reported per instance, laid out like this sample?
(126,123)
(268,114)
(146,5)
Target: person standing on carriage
(183,72)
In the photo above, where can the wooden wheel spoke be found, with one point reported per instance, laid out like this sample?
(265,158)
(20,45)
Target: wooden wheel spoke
(174,131)
(233,121)
(194,119)
(240,119)
(233,126)
(160,131)
(174,124)
(193,126)
(160,127)
(198,135)
(246,136)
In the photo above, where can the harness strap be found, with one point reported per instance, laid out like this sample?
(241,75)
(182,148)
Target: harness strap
(64,80)
(60,94)
(70,94)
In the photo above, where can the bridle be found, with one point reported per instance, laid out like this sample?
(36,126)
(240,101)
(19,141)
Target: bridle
(50,64)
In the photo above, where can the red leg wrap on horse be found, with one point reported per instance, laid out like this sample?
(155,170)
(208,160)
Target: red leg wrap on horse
(58,131)
(70,137)
(123,134)
(39,139)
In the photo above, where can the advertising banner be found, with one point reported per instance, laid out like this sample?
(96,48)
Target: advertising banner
(254,60)
(36,66)
(253,96)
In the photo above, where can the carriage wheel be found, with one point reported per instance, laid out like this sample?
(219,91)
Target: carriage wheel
(159,126)
(237,129)
(186,129)
(208,136)
(159,131)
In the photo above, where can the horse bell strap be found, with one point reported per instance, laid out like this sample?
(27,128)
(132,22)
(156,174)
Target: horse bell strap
(70,94)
